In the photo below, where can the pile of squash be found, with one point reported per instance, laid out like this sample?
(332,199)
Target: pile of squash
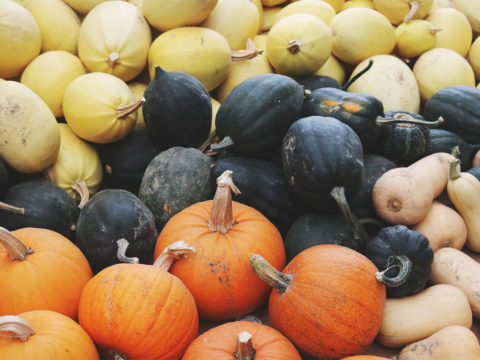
(172,171)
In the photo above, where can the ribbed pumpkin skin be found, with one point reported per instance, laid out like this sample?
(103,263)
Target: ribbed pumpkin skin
(56,337)
(52,278)
(219,274)
(334,304)
(142,311)
(220,342)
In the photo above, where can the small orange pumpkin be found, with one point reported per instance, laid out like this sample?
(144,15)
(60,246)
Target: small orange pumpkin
(44,335)
(40,270)
(224,234)
(327,300)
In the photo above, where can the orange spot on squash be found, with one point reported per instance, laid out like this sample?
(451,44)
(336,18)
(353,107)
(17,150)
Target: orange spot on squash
(352,108)
(330,102)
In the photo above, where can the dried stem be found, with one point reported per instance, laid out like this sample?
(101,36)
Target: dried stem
(245,349)
(16,249)
(80,186)
(414,7)
(294,46)
(11,208)
(173,252)
(125,110)
(221,214)
(122,249)
(113,59)
(15,327)
(250,52)
(269,274)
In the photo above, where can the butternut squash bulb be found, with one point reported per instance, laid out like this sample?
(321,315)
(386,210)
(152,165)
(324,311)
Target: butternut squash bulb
(415,37)
(298,44)
(398,11)
(322,9)
(20,39)
(100,107)
(115,38)
(77,168)
(474,57)
(30,137)
(49,74)
(169,14)
(471,9)
(352,31)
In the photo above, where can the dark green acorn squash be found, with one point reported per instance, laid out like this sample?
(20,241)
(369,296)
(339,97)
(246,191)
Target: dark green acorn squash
(459,107)
(314,82)
(264,188)
(403,257)
(45,205)
(177,109)
(124,162)
(175,179)
(257,113)
(111,215)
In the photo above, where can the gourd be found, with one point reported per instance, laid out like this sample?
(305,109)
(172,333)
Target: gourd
(43,335)
(303,303)
(33,143)
(398,11)
(20,39)
(115,44)
(415,37)
(83,6)
(358,3)
(474,57)
(323,10)
(42,270)
(471,9)
(416,317)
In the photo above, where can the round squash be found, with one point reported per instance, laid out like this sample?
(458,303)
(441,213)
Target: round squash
(49,74)
(358,3)
(438,68)
(333,68)
(269,14)
(415,37)
(115,38)
(322,9)
(474,57)
(30,137)
(398,11)
(440,4)
(20,39)
(83,6)
(352,31)
(471,9)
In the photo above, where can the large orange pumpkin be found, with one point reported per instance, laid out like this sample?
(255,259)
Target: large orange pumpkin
(224,234)
(327,300)
(40,270)
(224,342)
(44,335)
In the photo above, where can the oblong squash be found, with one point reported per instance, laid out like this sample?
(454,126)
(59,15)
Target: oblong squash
(398,11)
(471,9)
(83,6)
(474,57)
(322,9)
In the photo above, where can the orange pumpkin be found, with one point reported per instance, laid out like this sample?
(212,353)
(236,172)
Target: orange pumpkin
(224,234)
(44,335)
(40,270)
(327,300)
(225,342)
(138,311)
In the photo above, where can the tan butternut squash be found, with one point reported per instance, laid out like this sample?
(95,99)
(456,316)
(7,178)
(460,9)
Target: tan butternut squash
(415,317)
(443,227)
(449,343)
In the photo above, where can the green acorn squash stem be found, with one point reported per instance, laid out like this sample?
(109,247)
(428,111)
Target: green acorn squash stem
(122,249)
(125,110)
(16,249)
(175,251)
(353,79)
(405,266)
(408,120)
(221,214)
(11,208)
(15,327)
(338,193)
(244,349)
(453,173)
(269,274)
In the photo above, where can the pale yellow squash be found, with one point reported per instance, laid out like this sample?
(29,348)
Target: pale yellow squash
(169,14)
(474,57)
(269,14)
(83,6)
(352,31)
(138,90)
(336,4)
(298,44)
(322,9)
(137,3)
(270,3)
(259,6)
(100,107)
(440,4)
(456,33)
(59,24)
(332,68)
(20,39)
(78,168)
(30,137)
(115,38)
(438,68)
(49,74)
(236,20)
(398,11)
(215,106)
(358,3)
(471,9)
(415,37)
(391,81)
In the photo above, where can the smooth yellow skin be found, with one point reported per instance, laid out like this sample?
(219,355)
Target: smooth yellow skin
(322,9)
(138,90)
(269,14)
(336,4)
(90,106)
(414,38)
(169,14)
(395,10)
(332,68)
(30,137)
(115,28)
(438,68)
(471,9)
(49,74)
(201,52)
(474,57)
(315,44)
(83,6)
(352,31)
(215,106)
(259,6)
(76,160)
(358,3)
(59,24)
(439,4)
(20,39)
(456,33)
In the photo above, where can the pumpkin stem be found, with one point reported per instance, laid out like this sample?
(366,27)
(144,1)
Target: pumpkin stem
(122,249)
(405,267)
(338,193)
(414,7)
(405,118)
(173,252)
(269,274)
(15,327)
(245,349)
(113,59)
(353,79)
(16,249)
(294,46)
(249,53)
(221,214)
(453,173)
(11,208)
(226,142)
(125,110)
(80,186)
